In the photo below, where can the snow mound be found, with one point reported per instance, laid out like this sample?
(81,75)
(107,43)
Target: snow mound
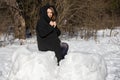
(83,66)
(33,66)
(39,65)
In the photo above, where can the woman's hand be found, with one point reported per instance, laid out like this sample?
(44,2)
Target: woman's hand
(53,23)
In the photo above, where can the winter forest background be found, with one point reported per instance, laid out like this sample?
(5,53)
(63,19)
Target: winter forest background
(19,17)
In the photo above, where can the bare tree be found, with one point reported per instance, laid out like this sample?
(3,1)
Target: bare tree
(17,19)
(79,15)
(84,16)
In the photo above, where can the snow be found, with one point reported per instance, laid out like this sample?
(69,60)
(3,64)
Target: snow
(86,60)
(83,66)
(32,66)
(43,66)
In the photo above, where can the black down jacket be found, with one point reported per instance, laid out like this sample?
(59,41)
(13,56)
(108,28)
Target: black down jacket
(47,35)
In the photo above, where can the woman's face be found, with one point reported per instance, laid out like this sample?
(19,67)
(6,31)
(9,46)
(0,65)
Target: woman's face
(49,13)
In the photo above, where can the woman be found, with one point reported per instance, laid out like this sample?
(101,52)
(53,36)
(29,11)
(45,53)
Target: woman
(48,33)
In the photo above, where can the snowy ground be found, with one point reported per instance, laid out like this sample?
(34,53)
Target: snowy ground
(16,60)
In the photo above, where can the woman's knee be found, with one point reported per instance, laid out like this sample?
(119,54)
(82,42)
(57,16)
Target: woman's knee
(64,48)
(65,45)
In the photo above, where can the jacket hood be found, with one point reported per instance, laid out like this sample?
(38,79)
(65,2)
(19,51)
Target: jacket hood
(43,12)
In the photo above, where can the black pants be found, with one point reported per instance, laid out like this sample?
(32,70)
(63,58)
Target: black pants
(64,48)
(60,53)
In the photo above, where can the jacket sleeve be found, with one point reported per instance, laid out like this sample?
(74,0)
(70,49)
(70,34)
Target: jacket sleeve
(44,29)
(58,31)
